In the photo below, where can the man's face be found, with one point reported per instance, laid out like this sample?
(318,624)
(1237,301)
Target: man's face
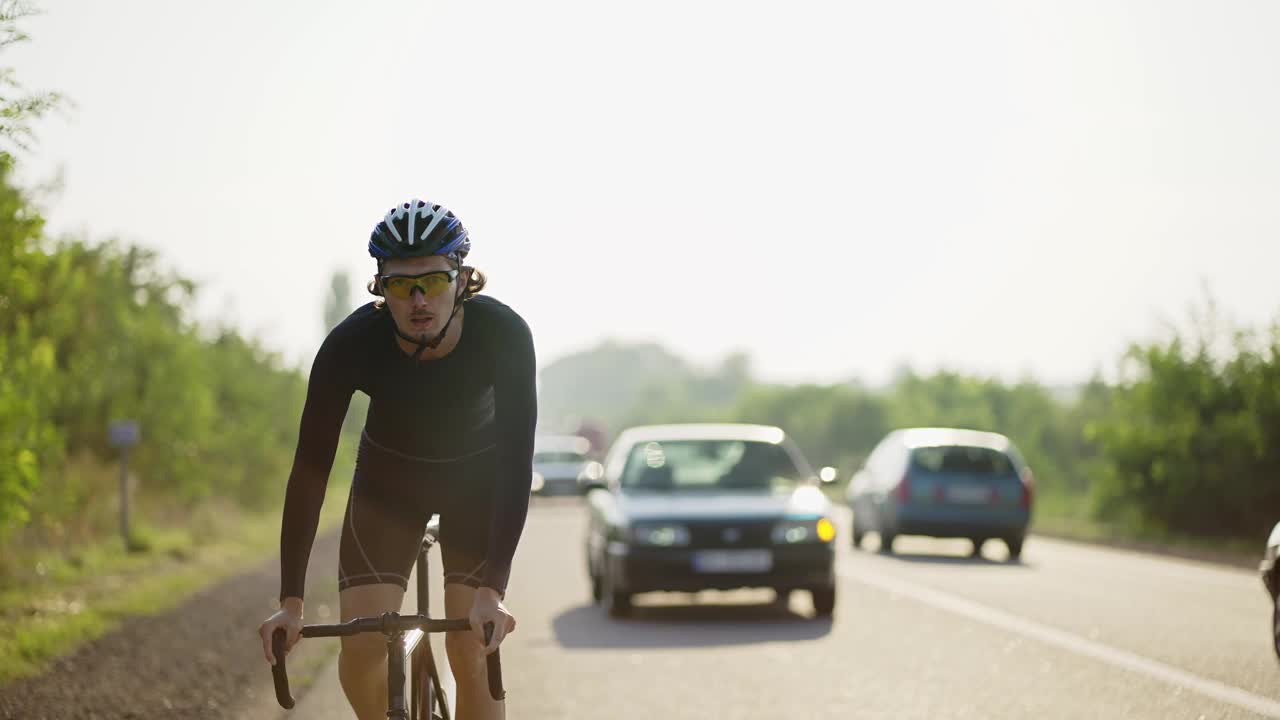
(418,316)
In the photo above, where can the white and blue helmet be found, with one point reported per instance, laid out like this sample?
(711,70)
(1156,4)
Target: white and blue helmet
(417,229)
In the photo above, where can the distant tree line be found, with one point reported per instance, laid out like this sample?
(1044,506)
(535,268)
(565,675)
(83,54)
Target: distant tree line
(1187,441)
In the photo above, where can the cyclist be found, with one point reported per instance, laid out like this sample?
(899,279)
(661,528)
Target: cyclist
(450,377)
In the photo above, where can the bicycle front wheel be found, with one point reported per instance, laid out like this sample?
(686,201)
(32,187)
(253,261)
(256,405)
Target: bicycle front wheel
(427,701)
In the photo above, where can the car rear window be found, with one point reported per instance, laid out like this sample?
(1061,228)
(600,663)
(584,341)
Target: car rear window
(962,459)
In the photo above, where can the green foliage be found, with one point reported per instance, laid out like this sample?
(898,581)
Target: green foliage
(1193,440)
(92,333)
(836,425)
(18,107)
(29,438)
(623,385)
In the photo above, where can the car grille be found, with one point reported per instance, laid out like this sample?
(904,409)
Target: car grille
(731,534)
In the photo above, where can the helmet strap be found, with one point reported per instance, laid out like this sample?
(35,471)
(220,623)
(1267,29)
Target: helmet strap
(422,345)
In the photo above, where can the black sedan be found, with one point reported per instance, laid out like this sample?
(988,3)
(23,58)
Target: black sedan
(700,506)
(1271,579)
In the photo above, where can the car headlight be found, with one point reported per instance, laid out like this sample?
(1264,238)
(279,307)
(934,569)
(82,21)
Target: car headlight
(661,534)
(790,532)
(591,472)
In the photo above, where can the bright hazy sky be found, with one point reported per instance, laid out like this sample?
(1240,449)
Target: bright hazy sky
(834,187)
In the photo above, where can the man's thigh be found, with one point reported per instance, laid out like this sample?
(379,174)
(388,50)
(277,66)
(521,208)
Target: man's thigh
(381,537)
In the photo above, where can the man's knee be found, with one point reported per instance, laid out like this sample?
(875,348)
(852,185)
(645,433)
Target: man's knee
(362,653)
(465,653)
(366,651)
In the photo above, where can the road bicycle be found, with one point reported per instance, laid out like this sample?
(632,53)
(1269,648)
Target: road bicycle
(420,696)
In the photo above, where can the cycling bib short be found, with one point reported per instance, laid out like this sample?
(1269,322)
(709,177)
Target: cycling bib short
(392,498)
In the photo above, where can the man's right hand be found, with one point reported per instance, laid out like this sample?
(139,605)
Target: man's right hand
(288,617)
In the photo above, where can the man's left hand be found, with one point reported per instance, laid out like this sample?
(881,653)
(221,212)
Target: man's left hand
(488,608)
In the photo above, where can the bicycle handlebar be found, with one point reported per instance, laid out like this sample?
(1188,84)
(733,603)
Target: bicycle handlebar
(387,624)
(278,672)
(495,667)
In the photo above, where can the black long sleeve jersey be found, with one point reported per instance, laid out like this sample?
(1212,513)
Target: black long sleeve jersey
(481,395)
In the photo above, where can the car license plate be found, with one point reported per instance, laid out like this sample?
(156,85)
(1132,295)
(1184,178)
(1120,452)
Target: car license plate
(727,561)
(968,494)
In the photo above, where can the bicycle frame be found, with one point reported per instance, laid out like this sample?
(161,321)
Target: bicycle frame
(423,666)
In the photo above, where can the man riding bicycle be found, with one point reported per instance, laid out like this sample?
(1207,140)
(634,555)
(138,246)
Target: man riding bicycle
(450,378)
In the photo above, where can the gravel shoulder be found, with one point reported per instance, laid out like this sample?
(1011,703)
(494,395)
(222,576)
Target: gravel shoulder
(199,660)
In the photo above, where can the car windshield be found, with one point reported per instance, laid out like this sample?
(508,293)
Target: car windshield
(710,465)
(558,457)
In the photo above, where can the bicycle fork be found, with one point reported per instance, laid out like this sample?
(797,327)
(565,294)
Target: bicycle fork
(396,651)
(400,647)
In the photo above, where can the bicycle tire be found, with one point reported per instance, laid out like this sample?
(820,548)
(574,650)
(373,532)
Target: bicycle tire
(440,699)
(420,701)
(417,709)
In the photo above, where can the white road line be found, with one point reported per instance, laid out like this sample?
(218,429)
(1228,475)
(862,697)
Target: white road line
(1072,642)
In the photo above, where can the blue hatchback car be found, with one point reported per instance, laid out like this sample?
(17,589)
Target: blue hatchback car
(943,482)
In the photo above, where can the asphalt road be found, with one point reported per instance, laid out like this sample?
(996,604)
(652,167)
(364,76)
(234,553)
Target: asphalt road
(1073,631)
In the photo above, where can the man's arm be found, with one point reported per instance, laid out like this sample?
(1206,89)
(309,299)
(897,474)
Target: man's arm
(516,415)
(328,396)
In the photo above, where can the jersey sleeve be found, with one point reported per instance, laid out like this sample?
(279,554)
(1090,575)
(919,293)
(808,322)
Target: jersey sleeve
(516,415)
(329,393)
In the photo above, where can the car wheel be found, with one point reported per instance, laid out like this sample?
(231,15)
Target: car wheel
(886,542)
(597,589)
(977,546)
(616,602)
(1015,548)
(1275,625)
(824,600)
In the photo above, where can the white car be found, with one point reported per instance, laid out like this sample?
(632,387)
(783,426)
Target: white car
(693,507)
(558,460)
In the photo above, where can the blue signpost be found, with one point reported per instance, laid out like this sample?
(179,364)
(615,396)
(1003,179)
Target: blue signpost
(124,434)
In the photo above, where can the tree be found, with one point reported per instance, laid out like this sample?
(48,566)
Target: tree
(336,309)
(18,107)
(29,441)
(1191,443)
(338,305)
(609,383)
